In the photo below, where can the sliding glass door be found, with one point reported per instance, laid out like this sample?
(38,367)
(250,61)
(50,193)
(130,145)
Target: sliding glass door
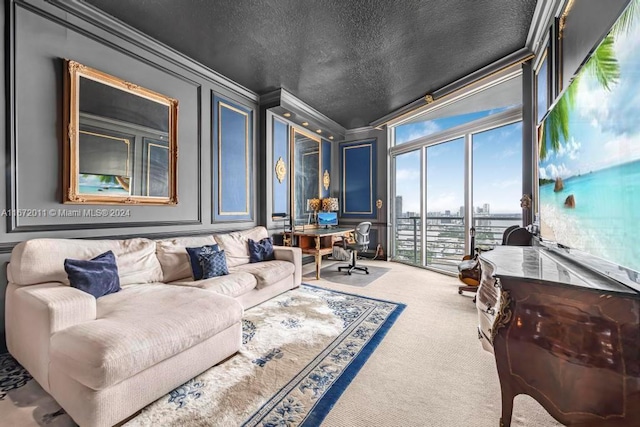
(447,183)
(497,182)
(407,207)
(445,202)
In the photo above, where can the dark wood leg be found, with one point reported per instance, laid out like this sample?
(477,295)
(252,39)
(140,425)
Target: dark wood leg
(507,409)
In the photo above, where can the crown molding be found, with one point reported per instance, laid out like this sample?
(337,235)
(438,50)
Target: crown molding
(543,16)
(361,129)
(283,100)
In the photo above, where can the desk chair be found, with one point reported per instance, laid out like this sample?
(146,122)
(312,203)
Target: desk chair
(361,235)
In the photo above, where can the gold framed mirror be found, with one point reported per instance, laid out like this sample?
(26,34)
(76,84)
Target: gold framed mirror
(120,141)
(307,177)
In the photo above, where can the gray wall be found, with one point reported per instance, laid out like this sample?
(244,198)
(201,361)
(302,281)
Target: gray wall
(43,35)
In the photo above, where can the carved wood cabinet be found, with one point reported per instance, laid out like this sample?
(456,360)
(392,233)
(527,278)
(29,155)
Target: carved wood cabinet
(561,334)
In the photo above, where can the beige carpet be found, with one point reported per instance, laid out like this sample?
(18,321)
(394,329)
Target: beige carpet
(430,370)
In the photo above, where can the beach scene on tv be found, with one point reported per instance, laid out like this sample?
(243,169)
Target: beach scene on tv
(589,152)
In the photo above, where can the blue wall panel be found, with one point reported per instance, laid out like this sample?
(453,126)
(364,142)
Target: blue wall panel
(326,167)
(232,159)
(358,177)
(280,150)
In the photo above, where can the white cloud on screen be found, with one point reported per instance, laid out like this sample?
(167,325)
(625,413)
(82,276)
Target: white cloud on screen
(552,171)
(594,102)
(621,149)
(571,149)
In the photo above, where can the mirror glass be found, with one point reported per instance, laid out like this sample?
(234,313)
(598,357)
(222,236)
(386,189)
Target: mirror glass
(306,165)
(122,141)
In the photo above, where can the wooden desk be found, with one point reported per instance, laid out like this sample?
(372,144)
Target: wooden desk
(318,242)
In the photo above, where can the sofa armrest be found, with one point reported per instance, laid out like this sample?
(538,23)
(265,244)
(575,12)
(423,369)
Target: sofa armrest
(291,254)
(34,313)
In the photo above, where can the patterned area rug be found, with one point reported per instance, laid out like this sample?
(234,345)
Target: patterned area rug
(301,350)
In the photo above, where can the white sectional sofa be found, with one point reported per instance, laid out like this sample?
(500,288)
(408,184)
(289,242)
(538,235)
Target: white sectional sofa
(104,359)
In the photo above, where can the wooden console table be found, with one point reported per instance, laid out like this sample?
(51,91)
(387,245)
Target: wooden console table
(562,334)
(318,242)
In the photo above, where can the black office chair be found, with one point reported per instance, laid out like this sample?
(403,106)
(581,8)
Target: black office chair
(361,235)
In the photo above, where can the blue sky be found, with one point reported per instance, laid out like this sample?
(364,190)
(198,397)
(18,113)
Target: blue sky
(497,176)
(604,125)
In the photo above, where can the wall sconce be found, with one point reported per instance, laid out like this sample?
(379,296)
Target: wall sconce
(330,204)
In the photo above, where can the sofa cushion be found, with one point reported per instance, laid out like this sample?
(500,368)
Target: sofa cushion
(261,251)
(173,256)
(232,285)
(96,276)
(236,244)
(42,260)
(213,264)
(196,262)
(266,272)
(137,328)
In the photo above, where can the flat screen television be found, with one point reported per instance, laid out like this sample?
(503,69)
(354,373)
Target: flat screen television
(589,155)
(327,218)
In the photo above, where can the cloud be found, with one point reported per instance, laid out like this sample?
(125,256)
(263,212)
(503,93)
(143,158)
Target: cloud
(407,174)
(542,173)
(614,111)
(621,149)
(444,201)
(413,131)
(593,102)
(571,149)
(553,171)
(506,184)
(506,153)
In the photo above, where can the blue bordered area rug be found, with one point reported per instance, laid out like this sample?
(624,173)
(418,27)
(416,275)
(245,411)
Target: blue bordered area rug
(300,352)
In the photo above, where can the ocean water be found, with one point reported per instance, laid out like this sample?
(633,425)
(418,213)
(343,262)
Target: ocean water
(606,219)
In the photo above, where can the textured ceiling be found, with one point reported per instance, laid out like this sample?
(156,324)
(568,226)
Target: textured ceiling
(353,60)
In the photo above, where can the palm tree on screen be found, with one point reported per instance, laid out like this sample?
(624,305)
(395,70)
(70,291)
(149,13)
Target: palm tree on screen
(604,66)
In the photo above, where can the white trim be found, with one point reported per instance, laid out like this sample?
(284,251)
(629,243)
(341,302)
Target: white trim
(543,16)
(468,188)
(423,207)
(466,131)
(472,90)
(500,119)
(391,213)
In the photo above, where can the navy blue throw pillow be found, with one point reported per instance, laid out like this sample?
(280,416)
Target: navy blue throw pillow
(213,264)
(97,276)
(261,251)
(194,253)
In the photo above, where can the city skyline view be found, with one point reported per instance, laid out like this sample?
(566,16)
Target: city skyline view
(497,153)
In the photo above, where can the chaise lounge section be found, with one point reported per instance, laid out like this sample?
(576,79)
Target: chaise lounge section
(104,359)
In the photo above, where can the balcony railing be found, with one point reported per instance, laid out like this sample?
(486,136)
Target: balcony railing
(445,238)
